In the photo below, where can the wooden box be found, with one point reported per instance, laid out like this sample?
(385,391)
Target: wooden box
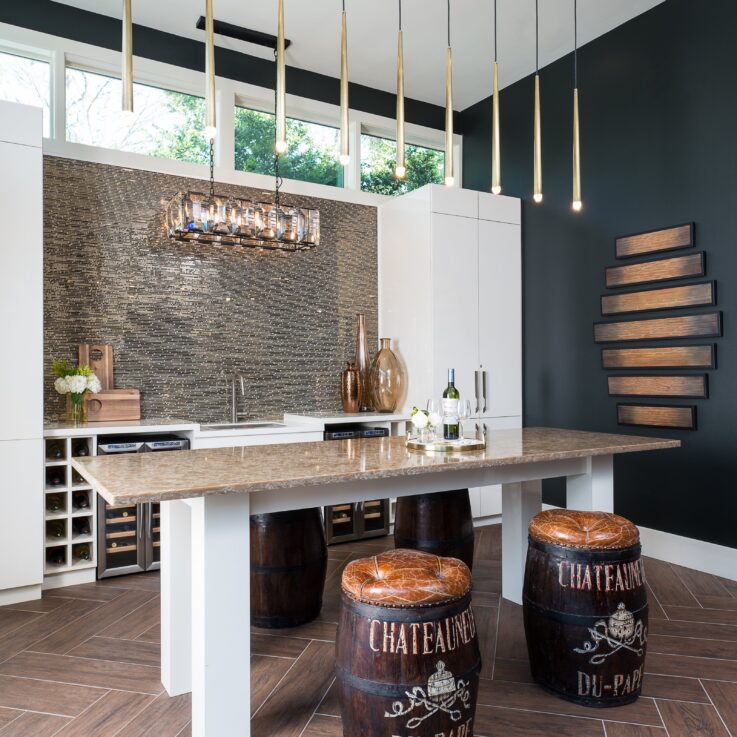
(113,405)
(99,358)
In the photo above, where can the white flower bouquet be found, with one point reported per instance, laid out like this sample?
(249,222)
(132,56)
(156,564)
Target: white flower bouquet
(76,383)
(424,422)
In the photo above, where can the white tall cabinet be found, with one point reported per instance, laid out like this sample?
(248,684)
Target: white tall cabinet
(21,338)
(450,296)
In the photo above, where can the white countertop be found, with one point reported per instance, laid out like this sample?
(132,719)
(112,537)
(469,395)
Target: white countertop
(293,423)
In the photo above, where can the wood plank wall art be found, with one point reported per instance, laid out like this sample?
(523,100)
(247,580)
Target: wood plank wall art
(668,368)
(678,418)
(662,269)
(654,241)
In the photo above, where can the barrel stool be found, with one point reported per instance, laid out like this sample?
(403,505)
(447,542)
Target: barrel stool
(289,559)
(407,654)
(438,523)
(585,606)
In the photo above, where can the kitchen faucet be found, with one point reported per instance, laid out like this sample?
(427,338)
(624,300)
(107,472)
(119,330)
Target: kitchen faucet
(235,415)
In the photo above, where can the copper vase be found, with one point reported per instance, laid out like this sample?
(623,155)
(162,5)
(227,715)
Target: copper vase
(386,379)
(350,388)
(363,362)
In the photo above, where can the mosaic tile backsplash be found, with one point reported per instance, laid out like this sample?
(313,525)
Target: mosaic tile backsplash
(181,318)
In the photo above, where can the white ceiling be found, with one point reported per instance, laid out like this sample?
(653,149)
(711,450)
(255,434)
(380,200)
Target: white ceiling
(313,27)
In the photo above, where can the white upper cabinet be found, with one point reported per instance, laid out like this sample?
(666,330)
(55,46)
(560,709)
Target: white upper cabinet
(450,295)
(21,275)
(500,319)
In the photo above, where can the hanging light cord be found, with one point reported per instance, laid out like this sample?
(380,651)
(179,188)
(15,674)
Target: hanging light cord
(448,23)
(537,37)
(575,43)
(400,15)
(495,39)
(277,175)
(212,169)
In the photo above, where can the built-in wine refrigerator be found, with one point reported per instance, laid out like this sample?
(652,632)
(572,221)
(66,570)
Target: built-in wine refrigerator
(128,535)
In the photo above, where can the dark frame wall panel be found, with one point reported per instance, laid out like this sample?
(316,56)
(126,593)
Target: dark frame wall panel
(664,357)
(693,386)
(654,241)
(673,417)
(657,270)
(664,298)
(707,325)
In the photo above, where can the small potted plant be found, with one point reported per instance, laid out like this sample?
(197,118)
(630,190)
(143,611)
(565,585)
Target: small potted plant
(76,383)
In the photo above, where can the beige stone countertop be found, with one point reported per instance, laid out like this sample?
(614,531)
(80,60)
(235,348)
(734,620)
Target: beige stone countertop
(153,477)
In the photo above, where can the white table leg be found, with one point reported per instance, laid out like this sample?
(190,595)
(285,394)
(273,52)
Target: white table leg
(176,597)
(221,645)
(520,503)
(592,491)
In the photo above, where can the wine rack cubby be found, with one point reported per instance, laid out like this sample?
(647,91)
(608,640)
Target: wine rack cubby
(69,507)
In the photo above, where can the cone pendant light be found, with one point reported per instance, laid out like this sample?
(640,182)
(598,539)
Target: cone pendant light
(280,145)
(576,202)
(345,155)
(127,74)
(210,110)
(400,170)
(537,178)
(496,157)
(449,168)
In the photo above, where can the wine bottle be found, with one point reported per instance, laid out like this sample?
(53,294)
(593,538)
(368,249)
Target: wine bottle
(55,452)
(56,528)
(56,556)
(80,449)
(451,430)
(80,500)
(55,478)
(54,503)
(81,527)
(82,552)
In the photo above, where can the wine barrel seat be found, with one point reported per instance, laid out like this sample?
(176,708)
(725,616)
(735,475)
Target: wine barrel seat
(289,558)
(439,523)
(585,606)
(407,653)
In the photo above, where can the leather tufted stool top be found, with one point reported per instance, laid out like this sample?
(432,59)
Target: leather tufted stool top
(585,606)
(407,649)
(589,530)
(406,578)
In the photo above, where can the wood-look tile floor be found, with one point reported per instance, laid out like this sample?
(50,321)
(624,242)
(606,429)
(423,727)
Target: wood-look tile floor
(83,662)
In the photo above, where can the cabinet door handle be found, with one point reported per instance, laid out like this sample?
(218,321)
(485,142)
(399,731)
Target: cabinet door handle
(483,376)
(476,387)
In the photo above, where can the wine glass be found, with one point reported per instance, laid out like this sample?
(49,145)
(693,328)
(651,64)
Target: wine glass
(435,410)
(464,412)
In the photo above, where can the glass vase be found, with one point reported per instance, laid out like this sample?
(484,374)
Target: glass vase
(76,409)
(386,379)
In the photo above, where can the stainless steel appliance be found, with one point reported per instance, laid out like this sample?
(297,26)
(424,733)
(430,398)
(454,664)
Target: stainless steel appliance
(128,535)
(346,522)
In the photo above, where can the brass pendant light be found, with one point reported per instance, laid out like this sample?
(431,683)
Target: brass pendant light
(496,154)
(127,74)
(576,202)
(280,145)
(537,179)
(400,170)
(210,104)
(345,156)
(449,168)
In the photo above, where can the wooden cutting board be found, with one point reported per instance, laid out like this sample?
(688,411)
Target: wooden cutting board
(99,357)
(114,405)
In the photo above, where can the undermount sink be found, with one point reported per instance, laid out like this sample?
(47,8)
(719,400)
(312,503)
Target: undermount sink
(242,426)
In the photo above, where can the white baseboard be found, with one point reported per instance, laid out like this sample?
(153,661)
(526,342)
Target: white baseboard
(690,553)
(486,521)
(20,594)
(70,578)
(687,552)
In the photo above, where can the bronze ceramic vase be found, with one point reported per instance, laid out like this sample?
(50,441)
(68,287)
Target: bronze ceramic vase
(363,361)
(386,379)
(350,388)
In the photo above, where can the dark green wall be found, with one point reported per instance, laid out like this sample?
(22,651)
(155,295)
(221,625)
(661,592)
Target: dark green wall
(658,111)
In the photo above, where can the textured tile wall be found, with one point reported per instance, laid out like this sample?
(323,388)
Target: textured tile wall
(182,317)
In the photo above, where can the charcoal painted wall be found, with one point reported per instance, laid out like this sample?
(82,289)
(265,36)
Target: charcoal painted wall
(659,148)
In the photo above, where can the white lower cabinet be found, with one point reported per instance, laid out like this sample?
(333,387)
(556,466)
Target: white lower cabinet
(206,440)
(21,527)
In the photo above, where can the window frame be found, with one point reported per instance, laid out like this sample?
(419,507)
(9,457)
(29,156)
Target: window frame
(60,52)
